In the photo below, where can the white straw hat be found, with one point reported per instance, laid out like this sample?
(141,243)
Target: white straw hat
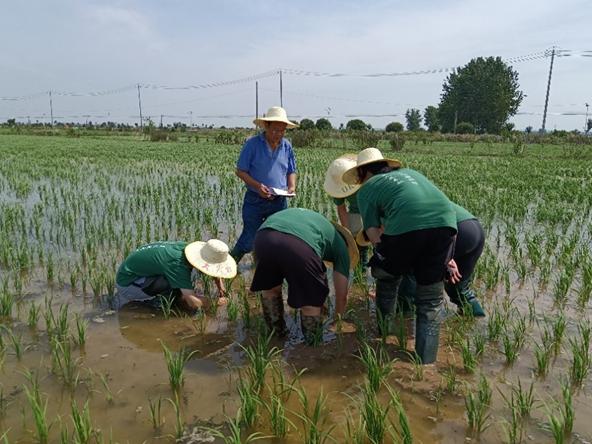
(275,114)
(365,157)
(352,247)
(334,185)
(211,258)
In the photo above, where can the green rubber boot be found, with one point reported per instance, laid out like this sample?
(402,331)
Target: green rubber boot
(429,303)
(463,296)
(312,329)
(273,314)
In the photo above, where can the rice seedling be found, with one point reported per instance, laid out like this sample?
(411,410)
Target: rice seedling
(105,383)
(559,330)
(63,362)
(484,391)
(520,399)
(314,419)
(277,416)
(581,358)
(450,378)
(235,435)
(16,342)
(513,427)
(33,315)
(232,309)
(250,401)
(495,324)
(476,410)
(556,424)
(81,326)
(259,356)
(401,432)
(543,358)
(7,301)
(510,349)
(175,362)
(83,430)
(38,409)
(354,429)
(179,424)
(469,358)
(166,305)
(567,408)
(156,413)
(378,365)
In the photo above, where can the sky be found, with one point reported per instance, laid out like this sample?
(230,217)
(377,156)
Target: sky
(78,48)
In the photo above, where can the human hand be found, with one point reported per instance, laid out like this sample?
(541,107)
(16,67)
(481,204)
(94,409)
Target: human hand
(222,300)
(264,191)
(454,275)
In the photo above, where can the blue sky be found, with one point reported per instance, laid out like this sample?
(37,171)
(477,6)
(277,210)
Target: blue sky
(88,46)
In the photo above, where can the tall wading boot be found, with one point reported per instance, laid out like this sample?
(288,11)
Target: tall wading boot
(387,286)
(312,329)
(464,297)
(273,314)
(429,302)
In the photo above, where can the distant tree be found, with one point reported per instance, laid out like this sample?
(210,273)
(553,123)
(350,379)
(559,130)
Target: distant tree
(465,128)
(11,122)
(430,118)
(307,124)
(588,125)
(356,125)
(413,118)
(485,93)
(528,129)
(323,124)
(394,127)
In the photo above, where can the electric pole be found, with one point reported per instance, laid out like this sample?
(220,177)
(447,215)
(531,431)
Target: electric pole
(140,106)
(548,89)
(256,100)
(50,109)
(586,122)
(281,91)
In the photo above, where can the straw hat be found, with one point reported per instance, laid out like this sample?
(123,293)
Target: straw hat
(362,240)
(211,258)
(334,186)
(352,247)
(365,157)
(275,114)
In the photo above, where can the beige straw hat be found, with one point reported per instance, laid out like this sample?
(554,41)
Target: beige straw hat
(211,258)
(365,157)
(334,185)
(275,114)
(362,240)
(352,247)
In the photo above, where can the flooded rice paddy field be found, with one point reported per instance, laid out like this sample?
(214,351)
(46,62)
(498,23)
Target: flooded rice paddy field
(73,371)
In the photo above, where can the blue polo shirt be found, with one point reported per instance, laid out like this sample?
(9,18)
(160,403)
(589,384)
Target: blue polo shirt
(270,167)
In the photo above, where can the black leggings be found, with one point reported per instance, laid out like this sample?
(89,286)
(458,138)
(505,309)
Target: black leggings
(469,246)
(422,253)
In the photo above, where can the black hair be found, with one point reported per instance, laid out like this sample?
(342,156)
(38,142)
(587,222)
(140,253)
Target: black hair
(375,168)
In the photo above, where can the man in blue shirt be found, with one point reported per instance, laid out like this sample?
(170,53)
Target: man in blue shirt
(266,161)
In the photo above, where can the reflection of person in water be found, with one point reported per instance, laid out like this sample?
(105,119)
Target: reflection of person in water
(164,267)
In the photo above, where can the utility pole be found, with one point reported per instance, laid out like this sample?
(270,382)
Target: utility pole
(140,106)
(586,122)
(281,91)
(548,89)
(256,100)
(190,119)
(50,109)
(161,121)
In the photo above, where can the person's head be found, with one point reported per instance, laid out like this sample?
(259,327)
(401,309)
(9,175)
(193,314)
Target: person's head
(274,123)
(212,258)
(334,186)
(370,161)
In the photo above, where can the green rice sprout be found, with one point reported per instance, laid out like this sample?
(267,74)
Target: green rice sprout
(259,356)
(314,419)
(155,413)
(38,409)
(235,435)
(33,315)
(232,308)
(83,430)
(378,365)
(175,362)
(469,358)
(477,416)
(81,326)
(402,429)
(179,424)
(166,305)
(7,301)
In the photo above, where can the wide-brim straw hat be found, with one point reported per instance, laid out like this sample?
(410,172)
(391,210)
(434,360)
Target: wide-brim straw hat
(362,240)
(352,247)
(365,157)
(275,114)
(334,185)
(212,258)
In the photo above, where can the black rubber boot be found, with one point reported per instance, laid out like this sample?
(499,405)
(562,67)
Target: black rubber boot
(462,295)
(273,313)
(387,286)
(312,329)
(429,303)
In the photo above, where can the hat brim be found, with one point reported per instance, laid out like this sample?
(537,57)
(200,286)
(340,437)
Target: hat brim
(261,122)
(362,240)
(352,247)
(225,270)
(351,176)
(340,189)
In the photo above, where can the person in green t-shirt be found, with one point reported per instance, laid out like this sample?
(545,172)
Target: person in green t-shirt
(293,244)
(412,226)
(164,267)
(344,197)
(468,247)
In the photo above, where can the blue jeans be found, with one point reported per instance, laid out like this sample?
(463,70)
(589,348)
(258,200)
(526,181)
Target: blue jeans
(255,211)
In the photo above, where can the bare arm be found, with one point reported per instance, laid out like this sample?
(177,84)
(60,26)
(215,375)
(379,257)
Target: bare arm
(292,183)
(261,188)
(342,213)
(374,233)
(340,281)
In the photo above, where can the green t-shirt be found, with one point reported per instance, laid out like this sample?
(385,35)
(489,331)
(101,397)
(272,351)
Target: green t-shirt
(157,259)
(462,213)
(352,202)
(314,229)
(406,200)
